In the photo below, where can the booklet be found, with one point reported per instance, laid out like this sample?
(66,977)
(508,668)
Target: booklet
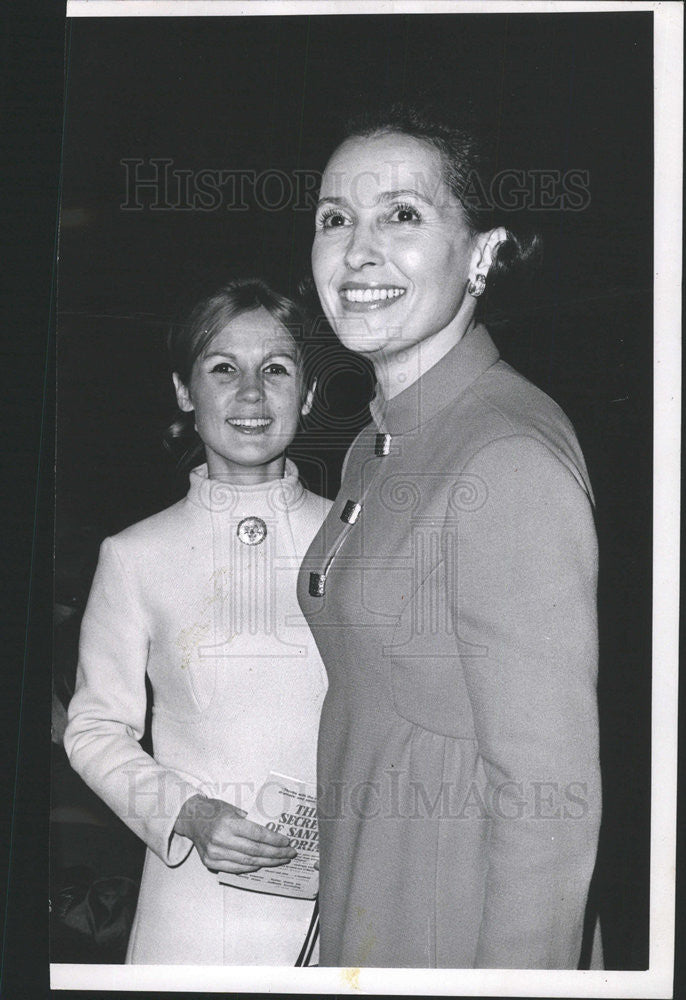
(287,806)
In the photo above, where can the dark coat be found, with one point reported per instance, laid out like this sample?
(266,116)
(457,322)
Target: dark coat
(458,752)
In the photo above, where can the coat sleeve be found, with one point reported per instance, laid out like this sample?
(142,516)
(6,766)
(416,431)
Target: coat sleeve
(529,603)
(107,716)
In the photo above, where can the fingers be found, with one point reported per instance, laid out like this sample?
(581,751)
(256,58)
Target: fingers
(255,831)
(229,819)
(226,846)
(226,841)
(240,865)
(246,837)
(257,848)
(234,869)
(245,852)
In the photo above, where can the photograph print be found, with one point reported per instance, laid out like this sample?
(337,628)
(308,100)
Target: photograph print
(354,495)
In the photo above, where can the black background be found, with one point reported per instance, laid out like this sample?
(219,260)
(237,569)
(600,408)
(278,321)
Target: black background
(561,92)
(268,94)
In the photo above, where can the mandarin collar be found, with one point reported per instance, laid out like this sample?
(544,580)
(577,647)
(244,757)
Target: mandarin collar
(438,387)
(216,495)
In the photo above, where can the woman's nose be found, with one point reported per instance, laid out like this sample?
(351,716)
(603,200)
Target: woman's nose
(363,248)
(249,388)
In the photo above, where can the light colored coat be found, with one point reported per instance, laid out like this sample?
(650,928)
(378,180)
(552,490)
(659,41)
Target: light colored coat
(237,689)
(458,753)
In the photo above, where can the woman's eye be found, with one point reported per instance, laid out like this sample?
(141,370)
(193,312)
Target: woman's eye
(332,218)
(404,213)
(275,369)
(223,368)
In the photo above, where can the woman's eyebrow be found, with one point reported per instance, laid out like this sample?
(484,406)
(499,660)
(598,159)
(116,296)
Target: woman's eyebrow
(403,193)
(278,352)
(382,197)
(281,353)
(331,200)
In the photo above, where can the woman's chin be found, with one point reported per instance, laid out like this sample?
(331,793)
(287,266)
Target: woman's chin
(358,335)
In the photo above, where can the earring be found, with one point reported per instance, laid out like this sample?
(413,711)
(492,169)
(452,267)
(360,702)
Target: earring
(478,286)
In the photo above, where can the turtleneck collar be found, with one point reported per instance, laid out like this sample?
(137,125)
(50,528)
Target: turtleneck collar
(217,495)
(438,387)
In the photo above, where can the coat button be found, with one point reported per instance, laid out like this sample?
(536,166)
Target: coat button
(317,584)
(382,445)
(252,530)
(351,512)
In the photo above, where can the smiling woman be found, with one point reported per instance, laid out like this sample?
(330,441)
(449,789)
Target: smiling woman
(455,605)
(240,367)
(246,392)
(392,248)
(398,246)
(202,598)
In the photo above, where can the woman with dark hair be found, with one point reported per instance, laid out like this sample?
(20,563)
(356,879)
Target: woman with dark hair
(202,598)
(454,605)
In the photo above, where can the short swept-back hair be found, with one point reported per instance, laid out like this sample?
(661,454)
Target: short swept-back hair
(468,169)
(188,340)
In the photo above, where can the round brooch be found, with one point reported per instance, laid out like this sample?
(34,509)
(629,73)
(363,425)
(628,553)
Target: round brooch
(252,530)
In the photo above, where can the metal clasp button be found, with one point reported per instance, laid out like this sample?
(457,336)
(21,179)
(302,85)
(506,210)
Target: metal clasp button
(382,445)
(351,512)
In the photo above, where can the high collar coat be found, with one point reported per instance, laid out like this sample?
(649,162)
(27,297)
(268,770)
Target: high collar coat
(458,751)
(237,687)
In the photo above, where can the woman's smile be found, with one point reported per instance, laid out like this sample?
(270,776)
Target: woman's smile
(250,425)
(356,297)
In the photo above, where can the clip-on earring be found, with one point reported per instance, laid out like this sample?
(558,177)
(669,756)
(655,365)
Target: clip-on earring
(478,286)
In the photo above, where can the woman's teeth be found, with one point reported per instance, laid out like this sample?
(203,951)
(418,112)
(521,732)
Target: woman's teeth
(371,294)
(249,422)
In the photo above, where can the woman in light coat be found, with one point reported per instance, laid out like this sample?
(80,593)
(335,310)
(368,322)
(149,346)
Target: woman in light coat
(202,598)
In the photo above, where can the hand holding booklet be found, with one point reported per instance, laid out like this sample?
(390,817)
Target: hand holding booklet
(287,806)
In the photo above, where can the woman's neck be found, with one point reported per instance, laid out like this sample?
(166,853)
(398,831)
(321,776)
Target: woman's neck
(243,475)
(397,371)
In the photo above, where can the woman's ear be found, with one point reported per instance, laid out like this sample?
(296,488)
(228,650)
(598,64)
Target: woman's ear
(486,248)
(309,399)
(183,396)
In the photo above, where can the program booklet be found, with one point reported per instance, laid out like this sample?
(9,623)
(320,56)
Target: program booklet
(287,806)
